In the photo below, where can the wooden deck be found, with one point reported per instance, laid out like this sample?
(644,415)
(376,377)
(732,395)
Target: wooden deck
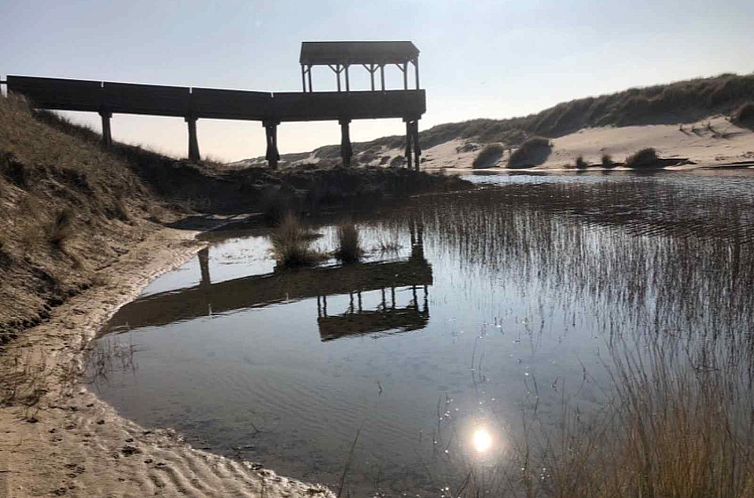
(200,103)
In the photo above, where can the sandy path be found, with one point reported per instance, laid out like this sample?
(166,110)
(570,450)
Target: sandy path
(69,443)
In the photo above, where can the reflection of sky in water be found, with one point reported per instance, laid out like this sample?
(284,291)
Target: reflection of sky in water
(505,332)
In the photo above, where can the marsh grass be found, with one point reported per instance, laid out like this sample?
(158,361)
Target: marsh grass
(349,245)
(291,244)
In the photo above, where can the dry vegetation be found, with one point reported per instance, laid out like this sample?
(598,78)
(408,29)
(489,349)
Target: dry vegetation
(645,158)
(67,209)
(291,244)
(531,153)
(349,246)
(744,116)
(489,156)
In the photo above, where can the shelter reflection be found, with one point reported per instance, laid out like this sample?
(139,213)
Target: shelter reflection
(258,291)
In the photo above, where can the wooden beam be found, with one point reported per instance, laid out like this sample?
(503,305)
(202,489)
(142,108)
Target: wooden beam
(193,141)
(348,84)
(416,71)
(303,78)
(107,137)
(382,76)
(309,75)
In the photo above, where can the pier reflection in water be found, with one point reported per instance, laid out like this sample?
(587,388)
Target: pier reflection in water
(206,298)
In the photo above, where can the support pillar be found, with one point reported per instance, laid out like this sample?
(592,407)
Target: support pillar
(416,72)
(193,142)
(417,147)
(382,76)
(272,156)
(348,84)
(409,138)
(303,78)
(309,77)
(107,137)
(204,267)
(346,151)
(404,68)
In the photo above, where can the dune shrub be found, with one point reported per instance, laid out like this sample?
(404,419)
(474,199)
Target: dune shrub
(488,156)
(645,158)
(744,116)
(607,161)
(533,152)
(581,163)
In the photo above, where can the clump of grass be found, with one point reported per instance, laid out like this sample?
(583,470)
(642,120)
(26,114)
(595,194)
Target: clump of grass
(645,158)
(744,116)
(533,152)
(488,156)
(291,244)
(349,247)
(60,229)
(581,163)
(607,161)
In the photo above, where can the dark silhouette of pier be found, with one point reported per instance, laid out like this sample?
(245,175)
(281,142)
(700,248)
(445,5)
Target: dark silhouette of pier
(258,291)
(271,109)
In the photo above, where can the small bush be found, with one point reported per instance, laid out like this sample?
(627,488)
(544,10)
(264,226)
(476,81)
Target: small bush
(60,229)
(397,162)
(581,163)
(533,152)
(645,158)
(607,161)
(744,116)
(488,156)
(291,244)
(349,248)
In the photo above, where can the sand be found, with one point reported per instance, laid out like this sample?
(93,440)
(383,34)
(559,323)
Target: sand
(722,145)
(58,438)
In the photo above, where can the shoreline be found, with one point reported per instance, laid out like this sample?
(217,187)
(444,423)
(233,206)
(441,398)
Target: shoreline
(58,438)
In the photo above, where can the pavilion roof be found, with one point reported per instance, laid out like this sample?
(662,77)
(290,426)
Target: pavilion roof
(357,52)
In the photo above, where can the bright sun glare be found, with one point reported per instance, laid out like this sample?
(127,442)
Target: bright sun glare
(481,440)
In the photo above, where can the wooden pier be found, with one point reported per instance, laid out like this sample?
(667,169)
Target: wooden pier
(271,109)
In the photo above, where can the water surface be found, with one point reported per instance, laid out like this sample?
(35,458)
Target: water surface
(470,311)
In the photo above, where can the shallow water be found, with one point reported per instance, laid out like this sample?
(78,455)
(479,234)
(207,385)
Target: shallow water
(424,361)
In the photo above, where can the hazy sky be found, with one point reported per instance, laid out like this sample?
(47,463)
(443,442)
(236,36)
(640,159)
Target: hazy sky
(478,58)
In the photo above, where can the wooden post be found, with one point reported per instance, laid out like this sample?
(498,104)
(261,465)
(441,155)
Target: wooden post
(193,142)
(404,68)
(309,76)
(271,131)
(382,76)
(348,84)
(107,137)
(204,267)
(371,68)
(416,71)
(409,136)
(417,147)
(346,152)
(337,73)
(303,78)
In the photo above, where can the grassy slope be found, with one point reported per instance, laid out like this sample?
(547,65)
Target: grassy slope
(66,209)
(680,102)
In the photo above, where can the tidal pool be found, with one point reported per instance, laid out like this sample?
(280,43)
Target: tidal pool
(471,315)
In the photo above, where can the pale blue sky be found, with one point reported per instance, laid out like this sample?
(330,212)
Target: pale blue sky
(478,58)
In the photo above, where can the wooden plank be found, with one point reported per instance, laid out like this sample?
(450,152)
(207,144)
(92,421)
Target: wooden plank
(231,104)
(58,93)
(128,98)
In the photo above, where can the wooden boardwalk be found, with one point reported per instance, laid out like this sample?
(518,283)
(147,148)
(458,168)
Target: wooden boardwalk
(192,103)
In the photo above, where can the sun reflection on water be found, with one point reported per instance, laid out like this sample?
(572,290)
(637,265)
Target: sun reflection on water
(482,440)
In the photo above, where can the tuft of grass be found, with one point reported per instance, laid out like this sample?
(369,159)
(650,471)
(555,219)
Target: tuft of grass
(744,116)
(645,158)
(488,156)
(533,152)
(607,161)
(349,247)
(61,227)
(291,244)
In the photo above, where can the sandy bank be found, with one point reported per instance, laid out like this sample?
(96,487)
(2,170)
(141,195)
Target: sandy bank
(58,438)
